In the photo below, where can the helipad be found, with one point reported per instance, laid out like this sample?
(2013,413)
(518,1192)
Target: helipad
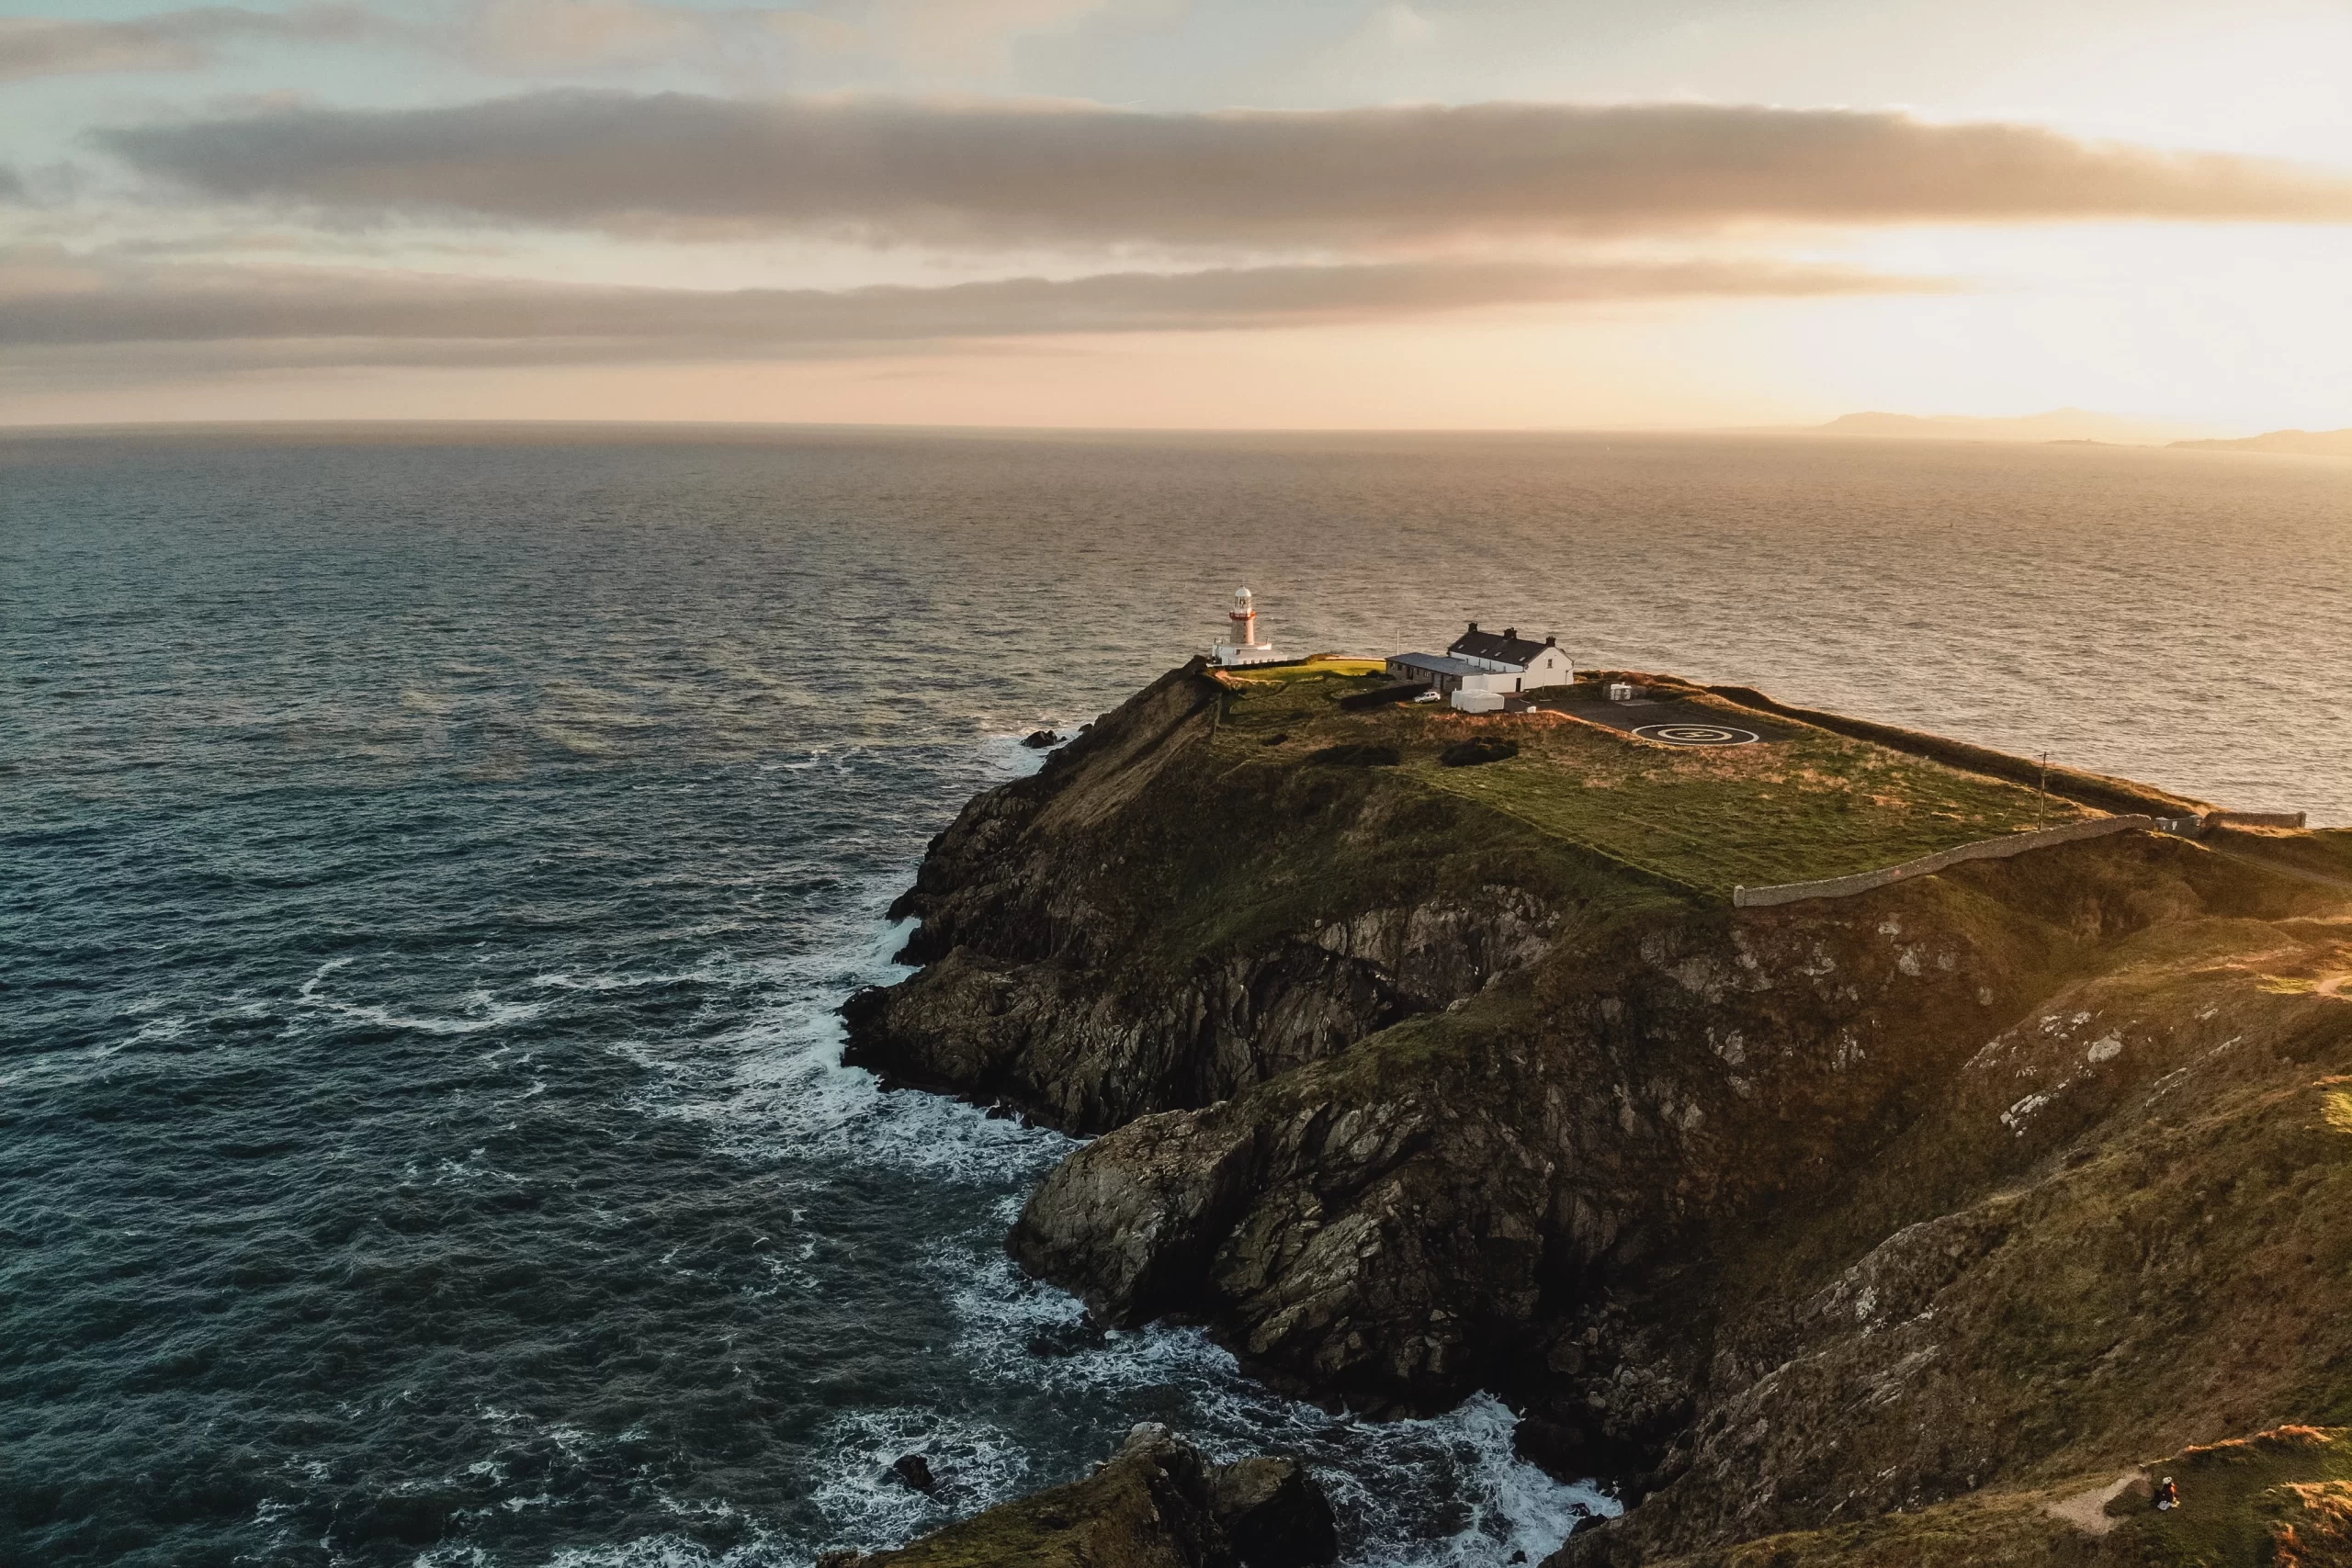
(1697,734)
(1672,720)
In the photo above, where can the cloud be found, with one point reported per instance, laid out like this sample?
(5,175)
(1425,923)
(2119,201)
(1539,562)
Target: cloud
(958,37)
(168,41)
(1025,172)
(313,316)
(742,44)
(12,187)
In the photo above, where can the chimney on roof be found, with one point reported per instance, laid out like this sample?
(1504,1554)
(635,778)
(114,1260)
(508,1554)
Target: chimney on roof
(1551,642)
(1511,632)
(1473,626)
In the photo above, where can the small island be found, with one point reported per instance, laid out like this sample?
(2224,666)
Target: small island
(1928,1210)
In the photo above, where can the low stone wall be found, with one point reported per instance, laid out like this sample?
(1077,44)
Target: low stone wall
(2097,791)
(1926,865)
(2254,819)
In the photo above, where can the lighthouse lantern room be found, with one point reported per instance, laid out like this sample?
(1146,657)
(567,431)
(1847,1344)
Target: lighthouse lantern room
(1241,645)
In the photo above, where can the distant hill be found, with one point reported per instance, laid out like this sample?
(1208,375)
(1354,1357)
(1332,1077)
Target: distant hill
(2319,443)
(2058,424)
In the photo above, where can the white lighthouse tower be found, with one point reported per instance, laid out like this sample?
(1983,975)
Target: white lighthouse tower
(1242,646)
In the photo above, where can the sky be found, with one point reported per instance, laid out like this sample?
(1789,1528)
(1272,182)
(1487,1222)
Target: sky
(1400,214)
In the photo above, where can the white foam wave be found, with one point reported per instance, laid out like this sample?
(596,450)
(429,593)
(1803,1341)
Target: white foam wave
(651,1552)
(708,973)
(1443,1493)
(784,1086)
(1383,1476)
(486,1011)
(976,1464)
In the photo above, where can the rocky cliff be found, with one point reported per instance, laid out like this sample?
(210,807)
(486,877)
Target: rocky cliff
(1784,1218)
(1103,940)
(1157,1503)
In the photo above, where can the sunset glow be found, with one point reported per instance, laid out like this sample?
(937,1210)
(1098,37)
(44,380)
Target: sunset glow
(1083,212)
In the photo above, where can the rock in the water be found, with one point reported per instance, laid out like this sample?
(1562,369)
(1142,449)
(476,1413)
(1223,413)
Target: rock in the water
(1558,1448)
(1274,1512)
(1157,1503)
(915,1471)
(1038,740)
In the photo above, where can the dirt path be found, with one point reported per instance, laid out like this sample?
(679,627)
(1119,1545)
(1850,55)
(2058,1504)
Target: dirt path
(2088,1511)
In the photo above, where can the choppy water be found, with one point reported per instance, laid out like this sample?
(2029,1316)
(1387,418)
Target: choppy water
(430,866)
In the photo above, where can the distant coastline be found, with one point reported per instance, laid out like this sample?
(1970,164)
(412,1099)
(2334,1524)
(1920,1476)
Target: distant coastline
(2066,424)
(2307,443)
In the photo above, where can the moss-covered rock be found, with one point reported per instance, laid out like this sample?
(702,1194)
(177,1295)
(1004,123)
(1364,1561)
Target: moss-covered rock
(1157,1503)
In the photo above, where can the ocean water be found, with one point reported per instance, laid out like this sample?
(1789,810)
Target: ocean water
(429,862)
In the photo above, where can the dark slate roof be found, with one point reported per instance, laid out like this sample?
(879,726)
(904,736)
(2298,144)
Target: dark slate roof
(1503,646)
(1436,665)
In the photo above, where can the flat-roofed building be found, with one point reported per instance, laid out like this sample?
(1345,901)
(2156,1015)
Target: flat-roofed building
(1442,674)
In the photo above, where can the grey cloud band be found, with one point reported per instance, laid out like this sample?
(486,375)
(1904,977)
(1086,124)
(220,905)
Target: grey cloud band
(257,306)
(169,41)
(1022,173)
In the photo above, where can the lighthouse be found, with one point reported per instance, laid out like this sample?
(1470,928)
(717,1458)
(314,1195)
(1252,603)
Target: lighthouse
(1241,645)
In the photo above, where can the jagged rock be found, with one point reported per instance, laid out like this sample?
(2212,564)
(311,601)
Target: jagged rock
(1559,1448)
(1157,1503)
(915,1471)
(1274,1512)
(1039,739)
(1018,940)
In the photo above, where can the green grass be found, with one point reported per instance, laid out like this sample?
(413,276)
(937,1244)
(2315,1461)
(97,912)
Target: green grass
(2240,1502)
(2337,1109)
(2237,1496)
(1316,669)
(1815,805)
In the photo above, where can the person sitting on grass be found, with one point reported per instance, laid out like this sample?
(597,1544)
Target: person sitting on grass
(2167,1495)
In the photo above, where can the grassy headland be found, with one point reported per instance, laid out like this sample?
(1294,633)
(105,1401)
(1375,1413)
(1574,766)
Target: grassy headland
(1846,1232)
(1809,804)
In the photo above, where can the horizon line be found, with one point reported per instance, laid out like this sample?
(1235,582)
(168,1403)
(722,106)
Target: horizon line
(1823,430)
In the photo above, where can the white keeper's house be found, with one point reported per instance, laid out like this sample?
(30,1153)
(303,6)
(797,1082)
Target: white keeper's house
(1483,671)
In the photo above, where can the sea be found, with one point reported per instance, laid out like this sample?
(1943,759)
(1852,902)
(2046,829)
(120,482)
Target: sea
(431,859)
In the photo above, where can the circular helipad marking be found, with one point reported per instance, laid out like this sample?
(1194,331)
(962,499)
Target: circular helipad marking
(1698,734)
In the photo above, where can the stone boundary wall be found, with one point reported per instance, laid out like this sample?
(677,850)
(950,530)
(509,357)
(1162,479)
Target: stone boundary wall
(2097,791)
(1926,865)
(2255,819)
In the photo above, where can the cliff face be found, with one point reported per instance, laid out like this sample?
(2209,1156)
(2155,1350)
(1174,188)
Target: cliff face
(1109,939)
(1788,1216)
(1157,1503)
